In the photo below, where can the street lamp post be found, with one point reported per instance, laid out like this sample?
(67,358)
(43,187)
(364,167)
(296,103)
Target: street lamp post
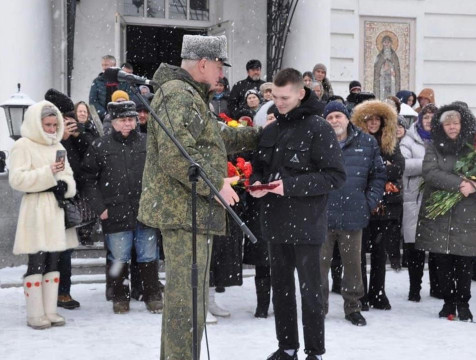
(15,108)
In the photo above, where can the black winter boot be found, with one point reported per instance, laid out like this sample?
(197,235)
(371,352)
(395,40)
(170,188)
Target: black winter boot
(448,310)
(137,291)
(263,294)
(149,274)
(282,355)
(109,286)
(464,314)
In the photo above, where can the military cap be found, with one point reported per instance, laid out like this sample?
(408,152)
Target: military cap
(196,47)
(121,109)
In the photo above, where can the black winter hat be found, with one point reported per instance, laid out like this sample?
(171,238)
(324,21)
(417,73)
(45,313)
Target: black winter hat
(253,64)
(354,84)
(364,96)
(334,106)
(140,106)
(61,101)
(121,109)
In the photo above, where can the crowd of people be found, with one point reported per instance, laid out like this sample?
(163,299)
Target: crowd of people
(334,179)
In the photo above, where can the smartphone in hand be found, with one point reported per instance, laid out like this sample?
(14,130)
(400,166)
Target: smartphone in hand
(60,155)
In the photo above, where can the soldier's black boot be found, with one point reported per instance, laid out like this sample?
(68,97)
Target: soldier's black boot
(263,294)
(149,274)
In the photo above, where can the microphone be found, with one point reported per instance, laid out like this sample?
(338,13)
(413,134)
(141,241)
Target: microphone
(115,74)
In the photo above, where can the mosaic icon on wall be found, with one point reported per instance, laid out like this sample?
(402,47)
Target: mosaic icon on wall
(386,57)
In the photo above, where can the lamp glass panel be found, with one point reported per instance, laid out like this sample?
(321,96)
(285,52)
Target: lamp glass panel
(16,118)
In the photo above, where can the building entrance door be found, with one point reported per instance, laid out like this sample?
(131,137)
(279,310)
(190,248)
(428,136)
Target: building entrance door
(149,46)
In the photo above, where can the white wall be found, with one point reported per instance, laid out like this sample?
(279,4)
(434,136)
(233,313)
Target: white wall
(445,43)
(26,39)
(249,34)
(308,42)
(94,38)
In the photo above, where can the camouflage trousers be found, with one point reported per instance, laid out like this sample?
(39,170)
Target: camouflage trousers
(176,341)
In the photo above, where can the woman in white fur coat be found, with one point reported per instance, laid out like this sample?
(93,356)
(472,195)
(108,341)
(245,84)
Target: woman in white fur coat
(41,229)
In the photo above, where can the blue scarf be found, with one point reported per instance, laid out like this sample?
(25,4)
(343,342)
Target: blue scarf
(218,96)
(425,135)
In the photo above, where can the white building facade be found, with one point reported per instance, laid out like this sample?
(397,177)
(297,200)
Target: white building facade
(441,41)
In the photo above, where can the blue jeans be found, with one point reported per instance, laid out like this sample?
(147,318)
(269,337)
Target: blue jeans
(144,240)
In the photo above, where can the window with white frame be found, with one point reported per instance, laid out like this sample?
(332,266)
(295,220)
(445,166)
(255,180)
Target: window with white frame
(168,9)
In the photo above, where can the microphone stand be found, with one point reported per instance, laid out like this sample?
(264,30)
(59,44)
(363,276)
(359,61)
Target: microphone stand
(195,172)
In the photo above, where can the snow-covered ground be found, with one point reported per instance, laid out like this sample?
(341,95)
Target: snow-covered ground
(409,331)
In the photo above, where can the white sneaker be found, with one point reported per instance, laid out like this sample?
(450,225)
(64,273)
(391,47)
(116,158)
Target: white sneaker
(214,308)
(211,319)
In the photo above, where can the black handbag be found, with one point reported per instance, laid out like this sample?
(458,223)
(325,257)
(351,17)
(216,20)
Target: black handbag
(77,212)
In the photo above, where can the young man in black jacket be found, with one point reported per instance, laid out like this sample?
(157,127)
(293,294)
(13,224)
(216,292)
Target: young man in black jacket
(300,156)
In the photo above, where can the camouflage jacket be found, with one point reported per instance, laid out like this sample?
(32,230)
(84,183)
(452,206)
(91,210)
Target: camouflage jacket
(182,104)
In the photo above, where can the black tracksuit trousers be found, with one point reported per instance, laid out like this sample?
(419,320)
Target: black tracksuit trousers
(285,258)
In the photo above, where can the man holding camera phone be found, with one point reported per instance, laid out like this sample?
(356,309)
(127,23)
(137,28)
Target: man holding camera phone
(298,154)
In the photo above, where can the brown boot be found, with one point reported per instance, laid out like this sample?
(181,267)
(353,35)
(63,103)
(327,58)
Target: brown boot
(120,307)
(119,274)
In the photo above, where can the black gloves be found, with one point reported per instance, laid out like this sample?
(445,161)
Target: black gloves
(59,190)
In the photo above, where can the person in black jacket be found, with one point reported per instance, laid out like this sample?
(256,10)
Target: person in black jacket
(113,168)
(76,139)
(300,156)
(237,99)
(380,120)
(349,207)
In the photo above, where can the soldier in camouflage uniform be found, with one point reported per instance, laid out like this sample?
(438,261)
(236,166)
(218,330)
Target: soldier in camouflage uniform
(166,197)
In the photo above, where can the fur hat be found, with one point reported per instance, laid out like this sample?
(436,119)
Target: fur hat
(121,109)
(61,101)
(253,64)
(319,67)
(387,114)
(334,106)
(196,47)
(354,84)
(265,86)
(119,94)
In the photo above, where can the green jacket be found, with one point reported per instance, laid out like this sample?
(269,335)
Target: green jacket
(182,104)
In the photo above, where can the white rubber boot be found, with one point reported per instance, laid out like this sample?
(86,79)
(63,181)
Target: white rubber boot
(35,313)
(213,307)
(50,298)
(211,319)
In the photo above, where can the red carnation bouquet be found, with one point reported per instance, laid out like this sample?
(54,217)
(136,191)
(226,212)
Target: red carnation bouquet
(243,169)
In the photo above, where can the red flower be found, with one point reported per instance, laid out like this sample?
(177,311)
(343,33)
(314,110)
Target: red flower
(231,170)
(224,117)
(240,164)
(243,169)
(247,170)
